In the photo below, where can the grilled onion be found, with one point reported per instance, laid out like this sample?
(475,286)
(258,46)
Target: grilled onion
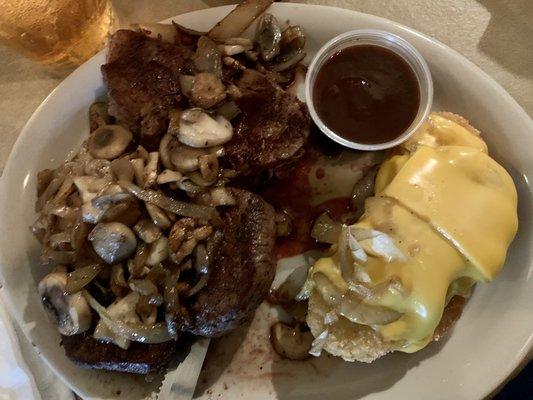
(157,333)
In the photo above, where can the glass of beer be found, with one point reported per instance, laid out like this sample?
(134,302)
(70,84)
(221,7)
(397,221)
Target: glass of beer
(58,32)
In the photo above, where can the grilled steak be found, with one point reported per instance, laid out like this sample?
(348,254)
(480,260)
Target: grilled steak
(244,270)
(271,130)
(142,77)
(140,358)
(239,281)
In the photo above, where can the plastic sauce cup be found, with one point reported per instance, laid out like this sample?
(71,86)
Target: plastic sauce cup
(391,42)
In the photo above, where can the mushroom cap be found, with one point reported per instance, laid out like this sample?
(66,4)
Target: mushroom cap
(198,129)
(109,141)
(113,241)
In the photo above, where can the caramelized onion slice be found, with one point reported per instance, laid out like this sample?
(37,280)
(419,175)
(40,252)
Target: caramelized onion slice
(157,333)
(81,277)
(239,19)
(325,230)
(175,206)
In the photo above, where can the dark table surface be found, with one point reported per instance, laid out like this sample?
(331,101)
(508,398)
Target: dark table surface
(520,388)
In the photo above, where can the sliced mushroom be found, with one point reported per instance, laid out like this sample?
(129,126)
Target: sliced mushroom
(150,170)
(234,92)
(174,117)
(147,230)
(233,63)
(186,84)
(59,241)
(122,169)
(268,36)
(207,90)
(168,176)
(44,178)
(231,49)
(236,45)
(140,152)
(165,148)
(290,62)
(110,195)
(198,129)
(292,39)
(186,159)
(117,282)
(207,57)
(89,186)
(209,167)
(70,313)
(199,181)
(126,213)
(98,167)
(143,286)
(158,252)
(109,141)
(180,231)
(121,310)
(289,342)
(113,242)
(90,214)
(138,170)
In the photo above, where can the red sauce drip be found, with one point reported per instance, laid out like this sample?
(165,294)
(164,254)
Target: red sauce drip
(293,194)
(320,173)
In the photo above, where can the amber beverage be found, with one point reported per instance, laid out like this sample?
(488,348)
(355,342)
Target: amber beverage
(58,32)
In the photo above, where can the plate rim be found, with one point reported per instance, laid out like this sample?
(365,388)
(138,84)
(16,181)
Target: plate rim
(526,352)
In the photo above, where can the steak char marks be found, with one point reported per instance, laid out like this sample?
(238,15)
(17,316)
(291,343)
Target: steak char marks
(272,129)
(142,77)
(243,272)
(139,358)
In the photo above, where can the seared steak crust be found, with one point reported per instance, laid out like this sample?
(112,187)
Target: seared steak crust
(140,358)
(142,77)
(243,272)
(271,130)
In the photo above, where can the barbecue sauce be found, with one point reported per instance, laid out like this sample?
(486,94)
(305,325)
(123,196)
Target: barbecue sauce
(366,94)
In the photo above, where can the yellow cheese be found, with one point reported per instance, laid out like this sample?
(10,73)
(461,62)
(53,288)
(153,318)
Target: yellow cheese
(330,268)
(464,194)
(388,170)
(450,209)
(431,265)
(441,131)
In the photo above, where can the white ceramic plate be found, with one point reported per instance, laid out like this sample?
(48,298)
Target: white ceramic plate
(491,338)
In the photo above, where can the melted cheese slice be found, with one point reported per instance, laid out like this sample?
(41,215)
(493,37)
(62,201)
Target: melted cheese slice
(451,210)
(431,264)
(440,131)
(465,195)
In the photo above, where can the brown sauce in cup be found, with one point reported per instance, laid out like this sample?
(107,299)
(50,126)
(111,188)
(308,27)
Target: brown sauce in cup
(366,94)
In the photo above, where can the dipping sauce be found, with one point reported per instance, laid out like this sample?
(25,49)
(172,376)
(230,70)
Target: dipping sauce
(366,94)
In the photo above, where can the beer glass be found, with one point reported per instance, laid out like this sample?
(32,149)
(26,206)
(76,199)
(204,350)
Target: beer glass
(57,32)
